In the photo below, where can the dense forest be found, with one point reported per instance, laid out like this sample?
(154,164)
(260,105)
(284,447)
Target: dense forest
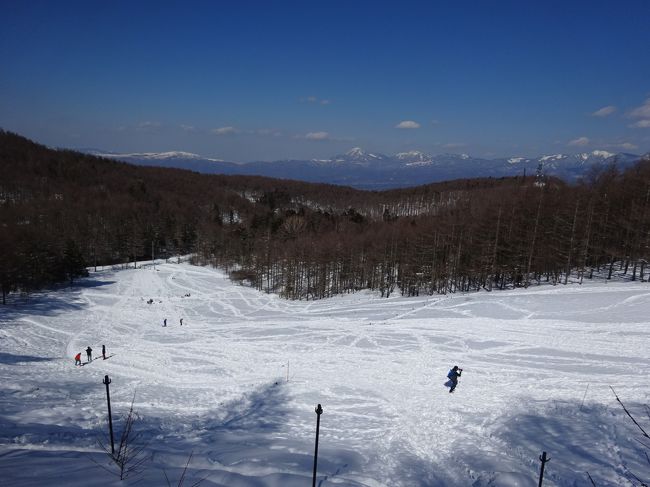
(62,212)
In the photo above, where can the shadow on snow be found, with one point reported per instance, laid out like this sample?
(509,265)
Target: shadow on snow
(257,440)
(49,302)
(10,359)
(594,438)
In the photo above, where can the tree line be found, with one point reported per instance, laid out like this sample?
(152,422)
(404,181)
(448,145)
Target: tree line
(62,212)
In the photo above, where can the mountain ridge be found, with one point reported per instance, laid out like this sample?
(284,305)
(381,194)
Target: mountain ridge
(372,170)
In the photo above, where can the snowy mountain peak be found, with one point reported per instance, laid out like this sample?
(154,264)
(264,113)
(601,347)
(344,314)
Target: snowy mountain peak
(411,154)
(553,157)
(355,152)
(516,160)
(413,157)
(358,155)
(602,153)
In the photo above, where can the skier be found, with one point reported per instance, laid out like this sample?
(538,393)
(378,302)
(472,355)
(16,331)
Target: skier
(77,359)
(104,352)
(181,321)
(165,322)
(453,376)
(89,353)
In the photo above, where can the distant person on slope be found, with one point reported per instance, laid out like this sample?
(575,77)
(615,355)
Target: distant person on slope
(165,322)
(181,321)
(77,359)
(453,376)
(104,352)
(89,354)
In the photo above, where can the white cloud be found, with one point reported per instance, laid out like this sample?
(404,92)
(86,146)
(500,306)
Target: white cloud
(225,131)
(622,145)
(315,100)
(188,128)
(148,126)
(268,132)
(641,124)
(407,124)
(642,112)
(454,145)
(604,112)
(579,142)
(317,136)
(628,146)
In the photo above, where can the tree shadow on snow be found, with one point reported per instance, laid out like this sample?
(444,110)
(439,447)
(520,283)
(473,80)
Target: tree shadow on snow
(10,359)
(258,440)
(48,302)
(251,441)
(592,438)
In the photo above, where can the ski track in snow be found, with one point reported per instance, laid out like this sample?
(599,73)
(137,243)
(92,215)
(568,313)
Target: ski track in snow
(217,386)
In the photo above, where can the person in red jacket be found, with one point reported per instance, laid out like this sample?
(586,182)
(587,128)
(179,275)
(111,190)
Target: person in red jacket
(77,359)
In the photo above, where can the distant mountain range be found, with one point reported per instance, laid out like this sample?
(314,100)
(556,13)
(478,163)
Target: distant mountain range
(366,170)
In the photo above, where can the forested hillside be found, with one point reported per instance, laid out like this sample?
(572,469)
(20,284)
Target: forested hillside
(61,211)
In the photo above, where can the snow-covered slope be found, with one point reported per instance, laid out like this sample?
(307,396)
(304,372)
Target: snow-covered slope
(414,157)
(537,364)
(153,156)
(177,159)
(357,156)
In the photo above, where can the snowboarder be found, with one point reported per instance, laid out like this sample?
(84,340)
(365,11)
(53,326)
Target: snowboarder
(104,352)
(77,359)
(181,321)
(89,353)
(165,322)
(453,376)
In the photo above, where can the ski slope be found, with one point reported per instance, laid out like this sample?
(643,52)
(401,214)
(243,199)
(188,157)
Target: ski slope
(237,384)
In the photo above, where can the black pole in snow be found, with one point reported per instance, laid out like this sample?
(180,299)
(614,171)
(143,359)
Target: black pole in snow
(319,411)
(544,460)
(110,418)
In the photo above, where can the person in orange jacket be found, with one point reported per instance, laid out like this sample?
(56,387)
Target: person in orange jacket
(77,359)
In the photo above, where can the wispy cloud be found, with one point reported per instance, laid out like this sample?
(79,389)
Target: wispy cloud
(148,126)
(188,128)
(622,145)
(454,145)
(579,142)
(315,100)
(642,112)
(641,124)
(268,132)
(317,136)
(407,124)
(604,112)
(225,131)
(628,146)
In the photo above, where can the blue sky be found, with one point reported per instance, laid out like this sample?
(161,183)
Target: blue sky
(275,80)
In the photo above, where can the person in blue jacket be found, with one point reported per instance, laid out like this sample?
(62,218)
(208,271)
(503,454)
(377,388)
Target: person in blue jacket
(453,376)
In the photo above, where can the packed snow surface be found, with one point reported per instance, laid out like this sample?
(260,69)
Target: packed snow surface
(237,385)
